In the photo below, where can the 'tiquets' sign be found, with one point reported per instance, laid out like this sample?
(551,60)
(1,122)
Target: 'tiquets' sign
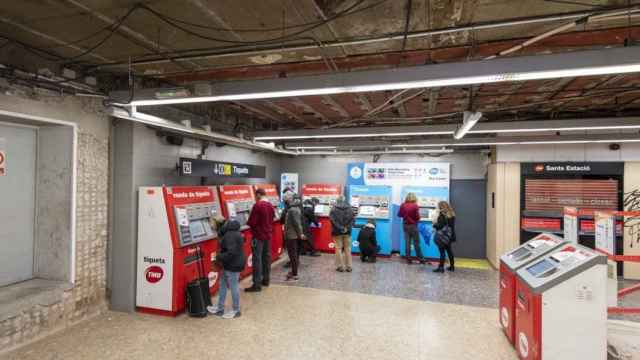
(3,161)
(206,168)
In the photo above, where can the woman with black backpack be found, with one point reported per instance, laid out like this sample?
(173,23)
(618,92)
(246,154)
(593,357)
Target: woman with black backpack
(445,228)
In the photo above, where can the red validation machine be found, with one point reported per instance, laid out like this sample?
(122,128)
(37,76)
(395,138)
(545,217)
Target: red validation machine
(237,201)
(510,263)
(177,243)
(277,241)
(327,195)
(561,306)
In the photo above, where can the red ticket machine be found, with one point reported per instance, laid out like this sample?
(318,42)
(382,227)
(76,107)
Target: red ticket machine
(277,241)
(236,202)
(177,243)
(327,194)
(510,263)
(561,306)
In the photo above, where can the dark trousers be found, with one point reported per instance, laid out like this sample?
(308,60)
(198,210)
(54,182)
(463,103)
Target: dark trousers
(306,246)
(294,256)
(368,254)
(442,250)
(411,235)
(261,262)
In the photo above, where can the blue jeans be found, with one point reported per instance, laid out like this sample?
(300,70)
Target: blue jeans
(230,280)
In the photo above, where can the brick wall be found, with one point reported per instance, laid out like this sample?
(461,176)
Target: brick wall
(88,296)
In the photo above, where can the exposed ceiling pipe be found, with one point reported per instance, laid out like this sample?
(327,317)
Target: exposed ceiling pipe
(193,132)
(204,54)
(565,27)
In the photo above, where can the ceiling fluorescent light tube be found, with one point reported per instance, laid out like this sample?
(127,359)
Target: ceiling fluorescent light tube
(469,120)
(470,80)
(336,136)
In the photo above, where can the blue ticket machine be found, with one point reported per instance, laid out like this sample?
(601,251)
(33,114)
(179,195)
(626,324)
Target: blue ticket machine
(428,198)
(372,202)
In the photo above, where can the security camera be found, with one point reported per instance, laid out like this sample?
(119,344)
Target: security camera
(614,147)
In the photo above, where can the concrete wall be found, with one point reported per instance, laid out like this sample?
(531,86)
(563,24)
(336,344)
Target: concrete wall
(141,158)
(87,297)
(567,152)
(53,251)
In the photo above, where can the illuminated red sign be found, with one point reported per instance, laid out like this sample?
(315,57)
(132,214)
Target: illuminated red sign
(542,224)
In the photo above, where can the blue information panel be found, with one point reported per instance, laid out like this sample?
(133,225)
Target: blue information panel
(372,202)
(428,198)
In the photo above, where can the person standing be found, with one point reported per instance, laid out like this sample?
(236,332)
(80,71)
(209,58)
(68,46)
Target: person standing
(342,218)
(367,242)
(410,214)
(308,219)
(231,257)
(293,232)
(261,224)
(445,234)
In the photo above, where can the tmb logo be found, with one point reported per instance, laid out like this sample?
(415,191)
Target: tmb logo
(539,168)
(153,274)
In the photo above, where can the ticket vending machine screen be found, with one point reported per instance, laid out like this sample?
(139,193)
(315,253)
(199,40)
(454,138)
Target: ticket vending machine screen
(371,206)
(193,223)
(240,210)
(520,254)
(540,268)
(427,206)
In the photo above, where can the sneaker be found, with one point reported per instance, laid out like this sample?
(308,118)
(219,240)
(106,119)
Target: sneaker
(292,277)
(340,269)
(214,310)
(253,288)
(232,315)
(423,262)
(451,268)
(438,270)
(349,269)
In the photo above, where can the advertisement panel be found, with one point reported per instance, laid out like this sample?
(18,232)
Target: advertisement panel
(288,182)
(605,231)
(571,224)
(433,178)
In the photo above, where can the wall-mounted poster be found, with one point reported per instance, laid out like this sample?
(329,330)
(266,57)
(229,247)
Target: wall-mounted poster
(288,182)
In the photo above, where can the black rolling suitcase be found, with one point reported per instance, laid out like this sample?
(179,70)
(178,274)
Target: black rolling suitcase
(197,292)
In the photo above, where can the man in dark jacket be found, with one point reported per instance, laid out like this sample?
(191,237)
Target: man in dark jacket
(342,218)
(261,224)
(293,232)
(367,242)
(231,257)
(308,219)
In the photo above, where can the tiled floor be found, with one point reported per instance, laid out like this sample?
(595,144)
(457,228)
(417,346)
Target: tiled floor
(286,322)
(393,277)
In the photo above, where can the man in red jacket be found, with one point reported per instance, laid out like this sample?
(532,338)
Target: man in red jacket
(410,214)
(261,224)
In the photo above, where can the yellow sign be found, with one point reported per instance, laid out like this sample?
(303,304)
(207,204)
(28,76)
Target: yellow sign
(227,169)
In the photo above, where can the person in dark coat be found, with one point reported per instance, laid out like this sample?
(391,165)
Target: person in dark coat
(232,258)
(367,242)
(308,219)
(342,219)
(445,234)
(292,234)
